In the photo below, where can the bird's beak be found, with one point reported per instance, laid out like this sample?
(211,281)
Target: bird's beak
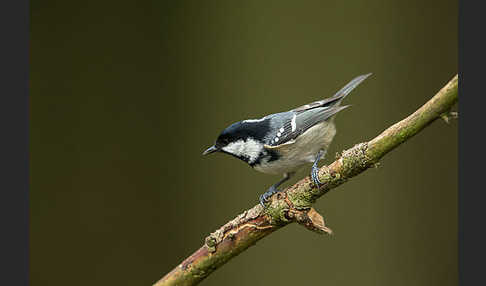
(210,150)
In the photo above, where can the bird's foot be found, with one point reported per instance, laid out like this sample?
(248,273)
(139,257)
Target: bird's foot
(315,175)
(264,197)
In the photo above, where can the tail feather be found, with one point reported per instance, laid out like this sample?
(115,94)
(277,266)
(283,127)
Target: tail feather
(336,99)
(343,92)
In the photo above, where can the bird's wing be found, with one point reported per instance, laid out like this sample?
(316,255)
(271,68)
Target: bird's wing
(296,123)
(337,97)
(291,124)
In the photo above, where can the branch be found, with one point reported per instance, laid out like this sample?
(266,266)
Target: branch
(294,204)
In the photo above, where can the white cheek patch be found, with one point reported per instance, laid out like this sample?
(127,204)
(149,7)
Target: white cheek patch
(249,148)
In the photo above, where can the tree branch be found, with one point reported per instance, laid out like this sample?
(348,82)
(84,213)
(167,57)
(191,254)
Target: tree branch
(294,203)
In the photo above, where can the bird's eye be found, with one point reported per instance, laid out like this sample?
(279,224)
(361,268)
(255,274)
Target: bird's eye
(222,141)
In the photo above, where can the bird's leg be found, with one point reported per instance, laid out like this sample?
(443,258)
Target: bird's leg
(273,189)
(315,169)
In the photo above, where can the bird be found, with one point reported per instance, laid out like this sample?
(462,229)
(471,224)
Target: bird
(281,143)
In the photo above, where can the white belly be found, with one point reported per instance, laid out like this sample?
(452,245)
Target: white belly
(303,151)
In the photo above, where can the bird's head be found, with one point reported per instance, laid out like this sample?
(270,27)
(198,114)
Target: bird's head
(242,140)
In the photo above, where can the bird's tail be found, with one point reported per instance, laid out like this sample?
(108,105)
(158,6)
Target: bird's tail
(343,92)
(336,99)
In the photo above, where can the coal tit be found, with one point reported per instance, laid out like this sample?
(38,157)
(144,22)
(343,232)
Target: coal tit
(280,143)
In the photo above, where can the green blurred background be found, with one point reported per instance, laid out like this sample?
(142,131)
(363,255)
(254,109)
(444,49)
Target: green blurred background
(126,95)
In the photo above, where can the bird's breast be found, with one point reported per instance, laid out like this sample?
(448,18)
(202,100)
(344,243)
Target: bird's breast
(302,151)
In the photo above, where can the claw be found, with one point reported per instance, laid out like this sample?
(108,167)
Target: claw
(315,177)
(273,189)
(264,197)
(315,169)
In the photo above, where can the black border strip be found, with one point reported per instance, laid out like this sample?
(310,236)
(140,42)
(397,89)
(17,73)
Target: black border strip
(471,193)
(14,126)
